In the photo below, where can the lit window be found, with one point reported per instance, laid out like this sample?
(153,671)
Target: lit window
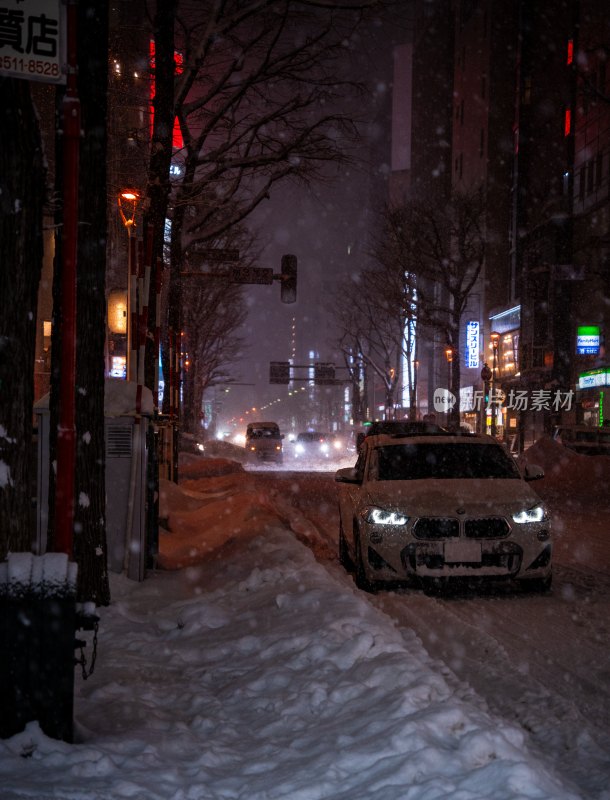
(567,125)
(570,54)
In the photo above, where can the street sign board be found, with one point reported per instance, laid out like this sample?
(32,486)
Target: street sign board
(33,36)
(279,372)
(251,275)
(216,254)
(323,373)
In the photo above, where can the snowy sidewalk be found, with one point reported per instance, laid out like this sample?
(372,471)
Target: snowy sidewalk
(259,675)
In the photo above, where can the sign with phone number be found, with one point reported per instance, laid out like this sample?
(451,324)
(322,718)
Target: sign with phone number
(33,40)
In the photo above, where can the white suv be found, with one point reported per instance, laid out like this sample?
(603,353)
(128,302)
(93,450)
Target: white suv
(441,506)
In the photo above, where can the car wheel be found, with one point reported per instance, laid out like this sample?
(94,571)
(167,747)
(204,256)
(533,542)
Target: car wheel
(344,556)
(435,587)
(538,585)
(362,582)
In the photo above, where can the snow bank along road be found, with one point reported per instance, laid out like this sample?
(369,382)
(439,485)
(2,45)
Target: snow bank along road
(539,661)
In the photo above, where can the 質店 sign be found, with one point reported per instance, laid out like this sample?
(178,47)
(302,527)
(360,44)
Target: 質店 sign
(33,40)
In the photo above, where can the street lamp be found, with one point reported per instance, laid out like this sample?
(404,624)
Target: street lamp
(495,339)
(449,356)
(128,202)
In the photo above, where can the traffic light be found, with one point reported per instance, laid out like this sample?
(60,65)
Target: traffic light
(288,286)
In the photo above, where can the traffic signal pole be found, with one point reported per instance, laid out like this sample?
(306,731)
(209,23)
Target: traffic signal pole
(66,439)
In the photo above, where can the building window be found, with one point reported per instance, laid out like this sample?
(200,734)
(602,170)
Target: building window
(462,113)
(590,175)
(461,164)
(581,184)
(482,143)
(599,170)
(483,86)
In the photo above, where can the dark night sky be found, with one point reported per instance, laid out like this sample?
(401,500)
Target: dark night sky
(326,227)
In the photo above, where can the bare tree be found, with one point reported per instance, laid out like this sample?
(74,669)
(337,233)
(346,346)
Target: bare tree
(366,335)
(255,99)
(429,258)
(449,244)
(211,314)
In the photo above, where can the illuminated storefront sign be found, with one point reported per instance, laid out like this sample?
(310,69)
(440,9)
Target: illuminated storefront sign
(587,340)
(594,378)
(472,344)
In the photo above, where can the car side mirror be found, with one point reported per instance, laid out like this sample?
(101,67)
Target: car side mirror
(533,472)
(347,475)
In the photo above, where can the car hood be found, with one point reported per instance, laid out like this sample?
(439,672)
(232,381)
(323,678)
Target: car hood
(439,497)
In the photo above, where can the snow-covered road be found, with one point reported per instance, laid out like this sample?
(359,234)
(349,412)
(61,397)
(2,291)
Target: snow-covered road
(540,661)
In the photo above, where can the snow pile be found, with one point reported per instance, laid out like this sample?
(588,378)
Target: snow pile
(262,676)
(49,575)
(581,477)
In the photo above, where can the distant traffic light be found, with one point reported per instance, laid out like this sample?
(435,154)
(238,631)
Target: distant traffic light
(288,287)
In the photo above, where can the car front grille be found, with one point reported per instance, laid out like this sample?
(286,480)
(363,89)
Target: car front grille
(488,528)
(451,528)
(436,528)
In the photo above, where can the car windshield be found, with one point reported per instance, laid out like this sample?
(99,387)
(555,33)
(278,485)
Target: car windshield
(259,433)
(404,462)
(310,437)
(404,428)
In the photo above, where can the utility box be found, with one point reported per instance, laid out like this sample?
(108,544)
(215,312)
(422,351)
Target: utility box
(127,438)
(37,626)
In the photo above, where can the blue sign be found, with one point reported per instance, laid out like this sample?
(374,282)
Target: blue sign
(472,344)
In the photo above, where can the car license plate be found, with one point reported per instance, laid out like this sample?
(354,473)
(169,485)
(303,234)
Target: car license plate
(462,550)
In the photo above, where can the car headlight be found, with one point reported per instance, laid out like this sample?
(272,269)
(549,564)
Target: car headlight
(299,448)
(534,514)
(381,516)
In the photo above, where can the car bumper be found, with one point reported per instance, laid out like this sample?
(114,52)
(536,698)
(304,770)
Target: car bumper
(391,554)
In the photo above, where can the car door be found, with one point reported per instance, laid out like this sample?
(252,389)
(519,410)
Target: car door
(350,495)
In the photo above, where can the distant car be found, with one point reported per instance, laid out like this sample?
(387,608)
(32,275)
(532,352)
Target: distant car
(312,444)
(584,439)
(439,506)
(264,441)
(399,427)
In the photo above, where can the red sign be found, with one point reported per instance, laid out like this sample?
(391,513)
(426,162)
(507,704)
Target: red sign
(177,140)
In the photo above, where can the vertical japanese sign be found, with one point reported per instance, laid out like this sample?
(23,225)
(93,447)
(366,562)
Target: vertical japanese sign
(472,344)
(33,40)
